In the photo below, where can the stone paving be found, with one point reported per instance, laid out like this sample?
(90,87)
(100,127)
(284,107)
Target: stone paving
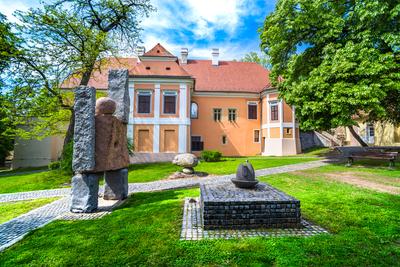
(15,229)
(192,228)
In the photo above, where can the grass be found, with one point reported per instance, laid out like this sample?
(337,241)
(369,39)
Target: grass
(39,180)
(364,226)
(10,210)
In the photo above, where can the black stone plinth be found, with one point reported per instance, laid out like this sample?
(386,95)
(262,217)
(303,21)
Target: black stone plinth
(224,206)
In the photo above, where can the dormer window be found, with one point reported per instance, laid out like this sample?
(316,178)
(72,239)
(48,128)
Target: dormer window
(168,68)
(147,68)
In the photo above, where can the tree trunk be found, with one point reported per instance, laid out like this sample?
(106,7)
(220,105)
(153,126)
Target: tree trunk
(69,136)
(357,137)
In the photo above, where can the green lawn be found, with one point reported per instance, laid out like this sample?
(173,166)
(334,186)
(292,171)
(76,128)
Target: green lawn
(152,172)
(364,226)
(10,210)
(37,180)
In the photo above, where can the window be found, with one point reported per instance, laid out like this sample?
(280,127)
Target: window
(371,130)
(197,144)
(224,139)
(252,111)
(232,114)
(217,114)
(274,111)
(169,102)
(256,136)
(194,111)
(144,102)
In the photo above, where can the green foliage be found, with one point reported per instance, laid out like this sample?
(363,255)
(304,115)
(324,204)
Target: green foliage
(6,129)
(8,46)
(66,158)
(64,39)
(131,146)
(263,60)
(55,165)
(211,155)
(339,60)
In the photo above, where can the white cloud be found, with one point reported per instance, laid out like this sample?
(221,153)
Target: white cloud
(195,24)
(7,7)
(202,18)
(227,50)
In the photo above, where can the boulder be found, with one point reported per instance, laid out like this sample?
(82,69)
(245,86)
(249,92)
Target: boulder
(186,160)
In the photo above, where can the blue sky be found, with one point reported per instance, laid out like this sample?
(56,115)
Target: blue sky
(200,25)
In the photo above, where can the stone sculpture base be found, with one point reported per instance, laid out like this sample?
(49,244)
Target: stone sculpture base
(116,184)
(225,206)
(84,192)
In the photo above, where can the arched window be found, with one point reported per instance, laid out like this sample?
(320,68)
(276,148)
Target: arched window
(194,111)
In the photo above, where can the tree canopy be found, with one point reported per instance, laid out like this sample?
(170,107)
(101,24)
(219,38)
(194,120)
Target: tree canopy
(263,60)
(336,60)
(64,38)
(8,51)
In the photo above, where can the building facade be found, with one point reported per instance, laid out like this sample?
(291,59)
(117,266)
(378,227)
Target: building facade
(181,105)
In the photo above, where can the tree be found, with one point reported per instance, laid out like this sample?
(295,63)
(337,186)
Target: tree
(69,38)
(339,60)
(263,60)
(8,50)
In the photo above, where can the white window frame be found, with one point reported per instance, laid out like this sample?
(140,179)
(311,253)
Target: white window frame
(271,104)
(170,93)
(144,92)
(220,114)
(252,103)
(236,114)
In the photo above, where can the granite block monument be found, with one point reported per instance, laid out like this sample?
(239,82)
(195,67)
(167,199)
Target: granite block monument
(245,203)
(100,143)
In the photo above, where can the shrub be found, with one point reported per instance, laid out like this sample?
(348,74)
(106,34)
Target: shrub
(211,155)
(54,165)
(66,158)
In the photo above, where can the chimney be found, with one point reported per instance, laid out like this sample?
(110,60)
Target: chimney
(184,55)
(140,50)
(215,55)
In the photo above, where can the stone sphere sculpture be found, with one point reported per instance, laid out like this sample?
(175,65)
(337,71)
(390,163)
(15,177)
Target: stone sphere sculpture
(187,161)
(245,176)
(105,105)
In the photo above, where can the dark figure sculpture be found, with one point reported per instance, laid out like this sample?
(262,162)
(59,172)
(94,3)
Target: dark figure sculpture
(245,176)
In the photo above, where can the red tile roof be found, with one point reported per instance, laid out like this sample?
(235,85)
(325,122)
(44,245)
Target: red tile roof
(228,76)
(99,78)
(158,51)
(159,68)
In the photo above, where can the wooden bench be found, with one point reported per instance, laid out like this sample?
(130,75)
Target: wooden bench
(391,156)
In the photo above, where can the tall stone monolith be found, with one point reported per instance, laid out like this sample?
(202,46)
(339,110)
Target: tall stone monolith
(84,129)
(118,91)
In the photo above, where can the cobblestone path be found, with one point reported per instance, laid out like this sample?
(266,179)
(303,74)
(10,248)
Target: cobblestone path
(15,229)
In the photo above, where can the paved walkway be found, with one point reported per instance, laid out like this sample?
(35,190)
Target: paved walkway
(15,229)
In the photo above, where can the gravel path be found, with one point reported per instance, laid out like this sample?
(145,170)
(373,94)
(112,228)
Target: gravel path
(15,229)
